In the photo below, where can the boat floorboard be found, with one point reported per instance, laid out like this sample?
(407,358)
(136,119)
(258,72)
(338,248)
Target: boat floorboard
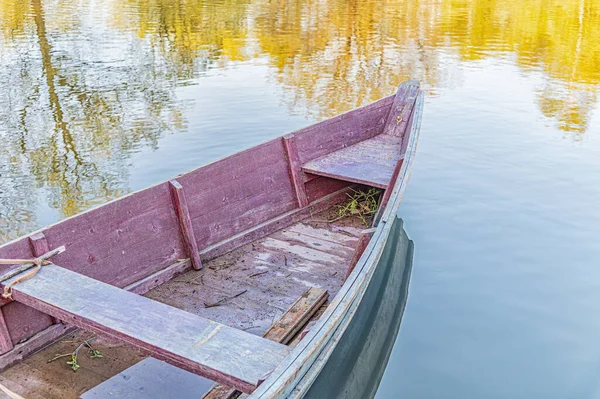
(247,289)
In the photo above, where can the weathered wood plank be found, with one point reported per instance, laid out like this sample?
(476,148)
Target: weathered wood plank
(404,100)
(292,321)
(14,390)
(239,192)
(282,331)
(227,221)
(363,241)
(369,162)
(50,334)
(296,173)
(151,378)
(196,344)
(185,223)
(23,322)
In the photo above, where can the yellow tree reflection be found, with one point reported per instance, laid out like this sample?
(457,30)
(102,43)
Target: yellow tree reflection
(339,54)
(193,34)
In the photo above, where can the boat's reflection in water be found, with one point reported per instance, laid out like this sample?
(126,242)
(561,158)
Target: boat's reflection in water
(356,365)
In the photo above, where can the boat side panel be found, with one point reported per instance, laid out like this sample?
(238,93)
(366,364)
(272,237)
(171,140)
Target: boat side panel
(322,186)
(239,192)
(123,241)
(23,322)
(343,130)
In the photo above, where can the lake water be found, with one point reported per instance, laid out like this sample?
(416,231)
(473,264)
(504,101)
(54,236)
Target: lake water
(99,98)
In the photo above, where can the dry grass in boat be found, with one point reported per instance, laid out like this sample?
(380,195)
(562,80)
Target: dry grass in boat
(361,203)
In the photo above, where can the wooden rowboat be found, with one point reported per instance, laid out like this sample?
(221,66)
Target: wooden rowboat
(194,270)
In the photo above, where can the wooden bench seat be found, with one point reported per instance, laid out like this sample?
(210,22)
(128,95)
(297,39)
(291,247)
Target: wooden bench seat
(212,350)
(369,162)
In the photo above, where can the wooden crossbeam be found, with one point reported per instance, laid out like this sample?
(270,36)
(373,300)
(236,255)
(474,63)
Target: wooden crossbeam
(215,351)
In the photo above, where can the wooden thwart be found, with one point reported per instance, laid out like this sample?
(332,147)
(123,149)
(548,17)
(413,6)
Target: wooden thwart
(282,331)
(196,344)
(373,161)
(370,162)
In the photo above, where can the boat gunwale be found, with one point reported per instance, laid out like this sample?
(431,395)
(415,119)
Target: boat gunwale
(340,311)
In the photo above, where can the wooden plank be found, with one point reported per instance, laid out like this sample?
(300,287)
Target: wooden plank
(282,331)
(296,173)
(239,192)
(185,223)
(24,322)
(290,323)
(370,162)
(363,241)
(151,378)
(193,343)
(404,100)
(227,221)
(14,390)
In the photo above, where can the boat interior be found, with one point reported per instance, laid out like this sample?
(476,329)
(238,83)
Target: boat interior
(219,271)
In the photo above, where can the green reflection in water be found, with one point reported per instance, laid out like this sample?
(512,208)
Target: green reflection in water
(83,86)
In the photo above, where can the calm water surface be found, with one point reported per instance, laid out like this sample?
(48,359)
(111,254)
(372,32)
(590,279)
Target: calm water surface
(99,98)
